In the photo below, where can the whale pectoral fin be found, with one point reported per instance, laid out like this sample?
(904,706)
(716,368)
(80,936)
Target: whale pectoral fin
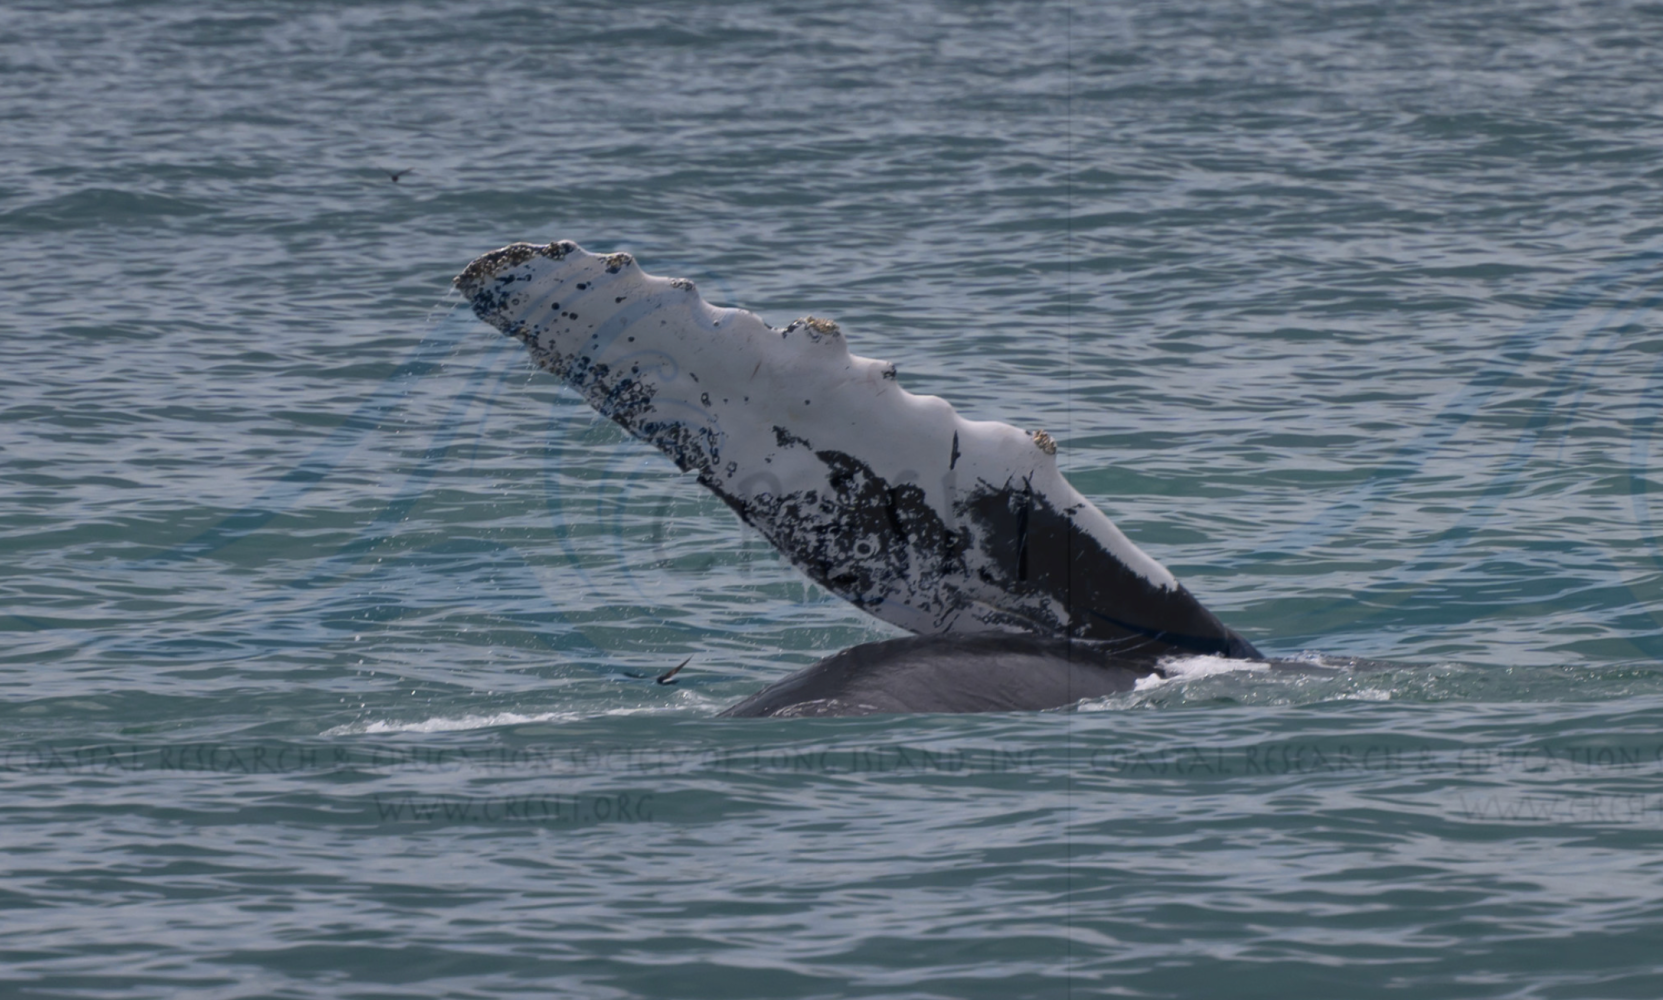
(916,515)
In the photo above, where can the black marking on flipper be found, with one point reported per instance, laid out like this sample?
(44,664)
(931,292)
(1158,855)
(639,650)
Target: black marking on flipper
(1106,601)
(894,516)
(954,458)
(1022,530)
(786,439)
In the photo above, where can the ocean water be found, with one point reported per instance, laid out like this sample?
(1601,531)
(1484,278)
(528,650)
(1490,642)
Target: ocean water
(327,624)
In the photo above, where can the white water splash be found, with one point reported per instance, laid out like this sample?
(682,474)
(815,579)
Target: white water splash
(1189,668)
(443,724)
(1367,694)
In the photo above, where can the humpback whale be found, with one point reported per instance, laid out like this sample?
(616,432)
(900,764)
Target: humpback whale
(1020,593)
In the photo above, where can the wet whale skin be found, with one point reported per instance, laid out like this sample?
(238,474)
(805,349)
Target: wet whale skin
(971,673)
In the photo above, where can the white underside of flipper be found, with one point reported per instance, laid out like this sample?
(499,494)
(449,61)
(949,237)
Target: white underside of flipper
(891,500)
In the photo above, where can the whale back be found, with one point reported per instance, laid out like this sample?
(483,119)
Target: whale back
(972,673)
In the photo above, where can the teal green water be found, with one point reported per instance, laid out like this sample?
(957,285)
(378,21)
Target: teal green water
(327,624)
